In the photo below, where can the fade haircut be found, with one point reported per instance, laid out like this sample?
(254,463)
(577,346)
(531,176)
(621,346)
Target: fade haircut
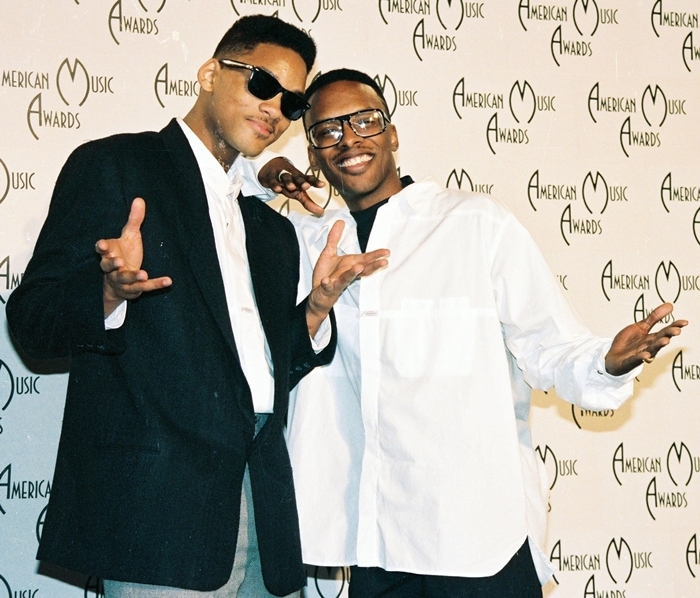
(250,31)
(323,79)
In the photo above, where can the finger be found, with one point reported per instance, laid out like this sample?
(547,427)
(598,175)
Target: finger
(125,277)
(657,315)
(285,179)
(376,254)
(152,284)
(306,181)
(134,287)
(136,216)
(373,267)
(333,287)
(299,181)
(102,247)
(308,204)
(334,236)
(110,264)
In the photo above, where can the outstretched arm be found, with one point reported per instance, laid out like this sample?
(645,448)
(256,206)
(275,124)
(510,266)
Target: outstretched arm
(121,263)
(333,273)
(636,343)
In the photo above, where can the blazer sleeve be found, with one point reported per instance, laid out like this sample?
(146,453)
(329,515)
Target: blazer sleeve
(304,358)
(57,309)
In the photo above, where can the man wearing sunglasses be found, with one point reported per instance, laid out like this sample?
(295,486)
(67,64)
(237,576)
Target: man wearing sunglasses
(184,333)
(411,451)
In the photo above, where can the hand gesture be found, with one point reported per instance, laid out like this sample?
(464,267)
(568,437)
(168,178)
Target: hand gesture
(333,273)
(636,343)
(121,263)
(283,177)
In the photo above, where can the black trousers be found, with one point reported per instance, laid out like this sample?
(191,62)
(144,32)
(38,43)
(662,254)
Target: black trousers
(518,579)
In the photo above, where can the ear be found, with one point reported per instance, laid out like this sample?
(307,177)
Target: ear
(312,157)
(206,75)
(394,138)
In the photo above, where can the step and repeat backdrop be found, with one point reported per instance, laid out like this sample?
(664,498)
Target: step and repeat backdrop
(582,116)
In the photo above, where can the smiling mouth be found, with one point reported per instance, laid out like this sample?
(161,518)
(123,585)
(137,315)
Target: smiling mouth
(354,161)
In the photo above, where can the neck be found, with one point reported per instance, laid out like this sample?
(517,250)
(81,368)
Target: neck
(224,153)
(391,186)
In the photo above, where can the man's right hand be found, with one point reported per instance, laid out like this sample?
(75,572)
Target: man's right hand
(121,263)
(280,175)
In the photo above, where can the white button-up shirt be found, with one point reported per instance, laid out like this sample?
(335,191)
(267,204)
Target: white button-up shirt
(411,451)
(222,189)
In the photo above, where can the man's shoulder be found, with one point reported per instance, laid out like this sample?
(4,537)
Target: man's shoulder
(129,141)
(432,196)
(141,139)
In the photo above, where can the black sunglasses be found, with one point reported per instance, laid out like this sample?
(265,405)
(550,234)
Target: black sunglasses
(264,86)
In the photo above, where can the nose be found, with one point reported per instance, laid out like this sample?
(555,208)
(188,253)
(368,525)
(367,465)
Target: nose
(349,136)
(273,106)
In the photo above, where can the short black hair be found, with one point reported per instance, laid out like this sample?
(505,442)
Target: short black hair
(250,31)
(323,79)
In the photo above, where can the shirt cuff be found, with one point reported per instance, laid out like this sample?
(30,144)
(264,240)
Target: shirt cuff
(249,169)
(323,336)
(609,379)
(117,318)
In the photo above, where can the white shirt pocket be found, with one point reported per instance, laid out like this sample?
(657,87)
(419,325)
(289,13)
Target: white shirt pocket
(430,337)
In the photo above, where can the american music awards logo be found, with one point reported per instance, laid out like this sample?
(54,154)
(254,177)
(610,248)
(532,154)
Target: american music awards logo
(667,280)
(439,22)
(583,204)
(680,465)
(521,103)
(74,84)
(128,18)
(574,25)
(305,11)
(619,561)
(681,23)
(641,127)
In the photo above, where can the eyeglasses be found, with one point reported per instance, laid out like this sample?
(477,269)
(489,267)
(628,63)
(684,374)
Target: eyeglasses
(365,123)
(264,86)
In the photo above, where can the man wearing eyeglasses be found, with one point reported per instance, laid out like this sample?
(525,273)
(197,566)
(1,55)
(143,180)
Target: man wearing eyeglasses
(184,333)
(411,451)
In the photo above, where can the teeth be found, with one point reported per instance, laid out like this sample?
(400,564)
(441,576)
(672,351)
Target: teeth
(354,161)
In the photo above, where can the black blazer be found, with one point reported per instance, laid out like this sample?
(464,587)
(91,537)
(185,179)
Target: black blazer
(158,424)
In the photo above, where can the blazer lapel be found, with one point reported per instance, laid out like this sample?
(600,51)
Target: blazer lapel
(196,230)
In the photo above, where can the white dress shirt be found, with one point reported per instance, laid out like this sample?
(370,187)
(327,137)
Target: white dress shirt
(222,189)
(412,451)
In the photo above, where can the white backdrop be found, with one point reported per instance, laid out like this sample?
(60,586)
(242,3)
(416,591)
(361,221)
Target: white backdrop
(583,116)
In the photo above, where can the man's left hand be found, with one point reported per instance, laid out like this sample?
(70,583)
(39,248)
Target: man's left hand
(333,273)
(636,343)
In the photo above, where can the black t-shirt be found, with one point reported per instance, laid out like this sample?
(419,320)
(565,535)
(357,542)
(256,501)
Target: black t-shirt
(365,218)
